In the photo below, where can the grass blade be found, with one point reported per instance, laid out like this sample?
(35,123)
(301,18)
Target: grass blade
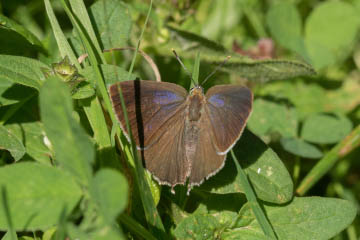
(344,147)
(151,212)
(196,69)
(6,209)
(63,44)
(135,227)
(80,11)
(250,195)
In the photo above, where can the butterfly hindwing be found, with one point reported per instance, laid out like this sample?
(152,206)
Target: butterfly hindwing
(206,162)
(166,157)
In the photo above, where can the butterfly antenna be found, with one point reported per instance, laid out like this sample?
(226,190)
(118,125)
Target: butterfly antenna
(215,70)
(181,63)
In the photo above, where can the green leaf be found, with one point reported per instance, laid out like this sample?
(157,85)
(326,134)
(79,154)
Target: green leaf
(302,219)
(271,117)
(331,30)
(267,174)
(285,26)
(300,148)
(11,93)
(308,98)
(32,135)
(28,187)
(13,26)
(112,22)
(21,70)
(10,142)
(63,44)
(83,90)
(73,148)
(110,191)
(267,70)
(255,70)
(198,226)
(326,128)
(106,232)
(81,12)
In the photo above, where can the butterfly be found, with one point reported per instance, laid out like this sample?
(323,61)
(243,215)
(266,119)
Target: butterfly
(182,136)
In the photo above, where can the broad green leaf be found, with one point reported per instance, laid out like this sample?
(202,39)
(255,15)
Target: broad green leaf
(177,213)
(198,226)
(72,146)
(28,187)
(11,93)
(304,218)
(345,98)
(83,90)
(112,22)
(267,174)
(107,232)
(285,26)
(75,232)
(245,235)
(326,128)
(5,85)
(331,30)
(110,192)
(21,70)
(300,148)
(32,135)
(11,143)
(271,117)
(216,214)
(308,98)
(13,26)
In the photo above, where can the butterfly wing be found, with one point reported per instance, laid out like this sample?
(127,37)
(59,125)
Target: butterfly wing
(228,108)
(149,105)
(206,162)
(166,158)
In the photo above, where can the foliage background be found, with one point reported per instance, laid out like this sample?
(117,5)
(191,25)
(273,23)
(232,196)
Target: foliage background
(302,118)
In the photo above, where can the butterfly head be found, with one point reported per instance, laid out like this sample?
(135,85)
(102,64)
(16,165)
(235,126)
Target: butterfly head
(197,90)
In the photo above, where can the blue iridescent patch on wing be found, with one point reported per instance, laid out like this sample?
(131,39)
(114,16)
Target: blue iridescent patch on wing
(165,97)
(217,100)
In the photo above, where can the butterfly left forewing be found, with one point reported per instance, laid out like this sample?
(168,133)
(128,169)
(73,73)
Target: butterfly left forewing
(149,105)
(228,108)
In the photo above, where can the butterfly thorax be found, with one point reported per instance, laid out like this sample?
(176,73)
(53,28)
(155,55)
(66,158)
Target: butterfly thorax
(195,103)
